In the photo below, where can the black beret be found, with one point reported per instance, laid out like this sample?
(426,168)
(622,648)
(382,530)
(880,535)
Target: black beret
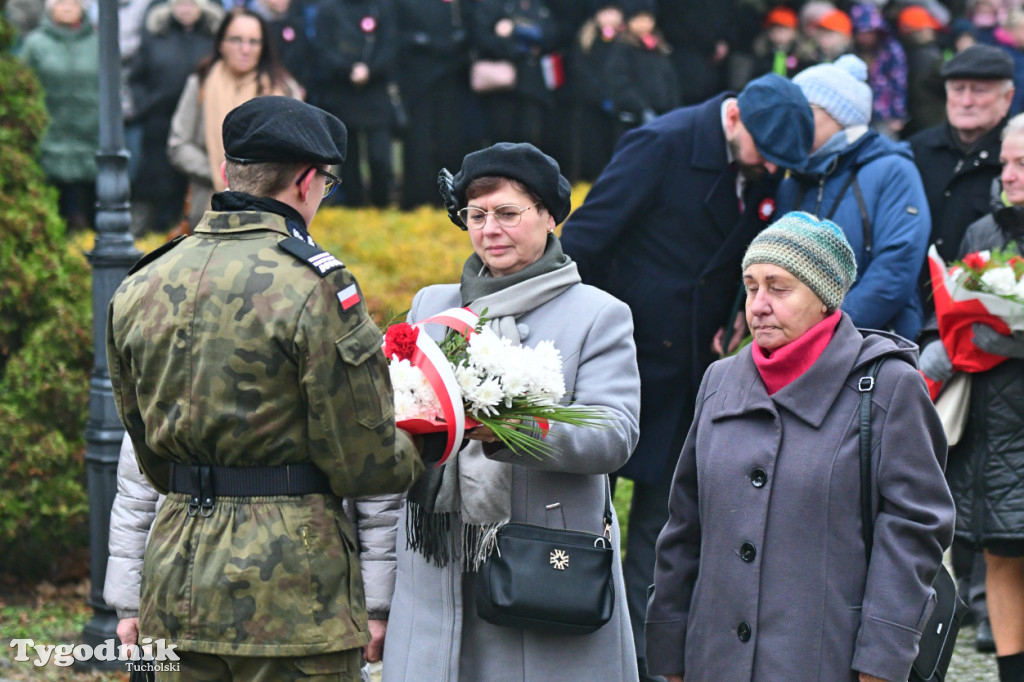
(980,62)
(520,161)
(276,129)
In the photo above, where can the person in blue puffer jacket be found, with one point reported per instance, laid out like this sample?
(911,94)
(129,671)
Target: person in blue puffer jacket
(869,186)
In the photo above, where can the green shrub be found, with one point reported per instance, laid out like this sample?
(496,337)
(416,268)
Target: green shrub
(45,344)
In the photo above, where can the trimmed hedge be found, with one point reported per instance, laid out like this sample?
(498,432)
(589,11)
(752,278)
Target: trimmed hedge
(45,344)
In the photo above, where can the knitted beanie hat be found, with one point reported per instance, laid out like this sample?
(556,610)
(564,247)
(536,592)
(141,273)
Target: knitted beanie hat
(840,89)
(814,251)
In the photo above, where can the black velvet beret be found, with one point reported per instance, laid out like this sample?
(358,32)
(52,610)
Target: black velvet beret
(276,129)
(979,62)
(520,161)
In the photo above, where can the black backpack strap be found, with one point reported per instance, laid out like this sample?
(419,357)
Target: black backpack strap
(866,385)
(865,220)
(862,206)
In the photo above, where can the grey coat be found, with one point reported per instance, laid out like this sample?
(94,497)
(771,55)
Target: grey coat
(434,634)
(761,571)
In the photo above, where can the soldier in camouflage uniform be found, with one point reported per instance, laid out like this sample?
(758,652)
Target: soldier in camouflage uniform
(252,384)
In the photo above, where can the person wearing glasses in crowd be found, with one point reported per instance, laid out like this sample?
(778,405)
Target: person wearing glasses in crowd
(243,65)
(510,197)
(250,379)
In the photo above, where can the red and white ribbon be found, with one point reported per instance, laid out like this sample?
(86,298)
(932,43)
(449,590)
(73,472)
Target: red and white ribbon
(430,360)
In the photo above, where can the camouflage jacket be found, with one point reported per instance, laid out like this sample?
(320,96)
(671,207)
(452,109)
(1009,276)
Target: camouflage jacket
(228,350)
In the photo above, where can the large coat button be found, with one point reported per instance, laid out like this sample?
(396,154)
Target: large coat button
(758,477)
(743,632)
(747,552)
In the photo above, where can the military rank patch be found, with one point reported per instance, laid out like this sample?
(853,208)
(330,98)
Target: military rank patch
(348,297)
(314,257)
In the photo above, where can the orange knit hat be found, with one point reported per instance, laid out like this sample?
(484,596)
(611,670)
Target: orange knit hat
(838,21)
(915,18)
(781,16)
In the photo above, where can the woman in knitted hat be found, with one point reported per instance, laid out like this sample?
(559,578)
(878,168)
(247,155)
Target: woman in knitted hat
(870,187)
(509,198)
(762,572)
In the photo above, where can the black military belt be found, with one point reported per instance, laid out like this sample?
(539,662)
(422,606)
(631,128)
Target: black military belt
(205,483)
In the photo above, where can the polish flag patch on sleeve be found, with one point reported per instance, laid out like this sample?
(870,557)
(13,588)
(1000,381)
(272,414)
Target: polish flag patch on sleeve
(348,297)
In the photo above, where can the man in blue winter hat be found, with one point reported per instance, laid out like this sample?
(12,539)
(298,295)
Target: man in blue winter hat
(664,229)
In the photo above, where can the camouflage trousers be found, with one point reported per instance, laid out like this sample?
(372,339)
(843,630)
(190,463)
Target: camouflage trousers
(339,666)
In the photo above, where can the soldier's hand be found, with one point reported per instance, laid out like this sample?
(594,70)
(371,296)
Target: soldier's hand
(374,651)
(128,631)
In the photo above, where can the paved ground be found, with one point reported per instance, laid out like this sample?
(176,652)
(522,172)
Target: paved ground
(968,665)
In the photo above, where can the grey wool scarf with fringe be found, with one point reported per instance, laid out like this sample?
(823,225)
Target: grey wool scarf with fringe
(453,511)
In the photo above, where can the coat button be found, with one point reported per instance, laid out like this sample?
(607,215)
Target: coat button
(948,193)
(747,552)
(743,632)
(758,477)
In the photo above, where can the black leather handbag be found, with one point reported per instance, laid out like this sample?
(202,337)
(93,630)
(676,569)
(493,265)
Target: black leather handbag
(939,634)
(548,579)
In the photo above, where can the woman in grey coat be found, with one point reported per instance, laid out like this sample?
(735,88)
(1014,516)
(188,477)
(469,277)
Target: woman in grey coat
(761,569)
(512,196)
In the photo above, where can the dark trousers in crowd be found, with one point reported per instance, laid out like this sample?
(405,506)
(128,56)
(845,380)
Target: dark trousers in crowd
(594,136)
(514,118)
(371,146)
(648,513)
(77,203)
(437,137)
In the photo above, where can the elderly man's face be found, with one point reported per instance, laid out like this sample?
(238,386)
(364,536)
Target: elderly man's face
(975,107)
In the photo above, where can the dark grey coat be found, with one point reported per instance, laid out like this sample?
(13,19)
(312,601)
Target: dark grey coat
(761,571)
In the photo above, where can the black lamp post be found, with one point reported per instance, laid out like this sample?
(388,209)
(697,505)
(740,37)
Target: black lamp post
(113,255)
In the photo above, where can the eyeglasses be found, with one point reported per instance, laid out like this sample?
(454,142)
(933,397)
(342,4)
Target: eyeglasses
(239,41)
(508,215)
(330,183)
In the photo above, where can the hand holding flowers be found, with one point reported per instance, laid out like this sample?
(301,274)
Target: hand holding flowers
(986,288)
(512,390)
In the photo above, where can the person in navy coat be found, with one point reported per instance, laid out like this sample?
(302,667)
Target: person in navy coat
(664,229)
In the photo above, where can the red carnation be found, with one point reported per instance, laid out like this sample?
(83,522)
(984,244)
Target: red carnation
(974,262)
(400,341)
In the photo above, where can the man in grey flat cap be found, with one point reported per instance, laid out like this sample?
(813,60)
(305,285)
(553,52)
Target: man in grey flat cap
(959,164)
(251,381)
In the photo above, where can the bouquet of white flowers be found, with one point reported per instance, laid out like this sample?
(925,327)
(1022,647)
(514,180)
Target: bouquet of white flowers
(475,377)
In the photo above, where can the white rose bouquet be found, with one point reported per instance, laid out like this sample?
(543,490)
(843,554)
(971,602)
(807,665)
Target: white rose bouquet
(475,377)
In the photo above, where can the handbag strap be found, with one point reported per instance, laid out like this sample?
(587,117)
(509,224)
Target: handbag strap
(866,386)
(607,507)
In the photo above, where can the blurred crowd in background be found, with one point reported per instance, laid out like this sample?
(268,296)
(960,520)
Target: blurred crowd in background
(444,77)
